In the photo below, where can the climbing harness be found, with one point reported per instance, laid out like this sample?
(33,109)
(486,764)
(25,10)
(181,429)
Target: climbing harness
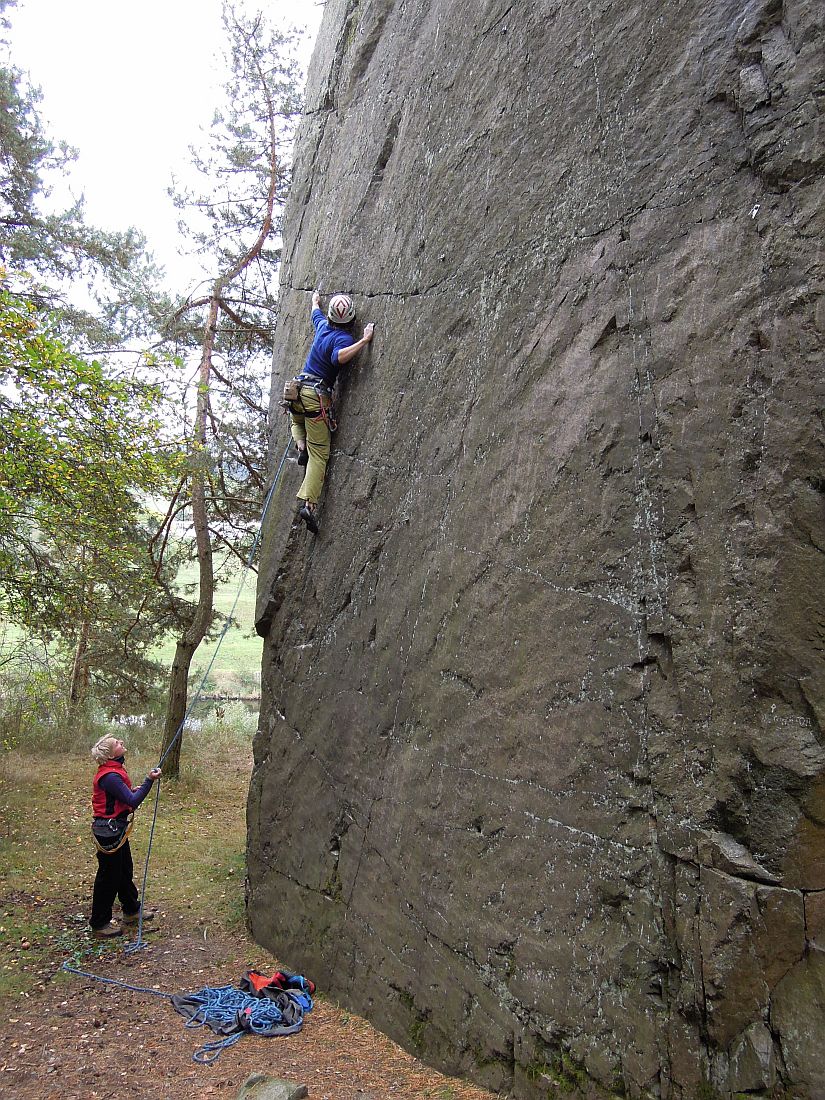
(233,1012)
(111,833)
(293,403)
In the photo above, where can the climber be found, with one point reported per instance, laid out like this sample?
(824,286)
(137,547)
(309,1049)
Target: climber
(312,415)
(113,801)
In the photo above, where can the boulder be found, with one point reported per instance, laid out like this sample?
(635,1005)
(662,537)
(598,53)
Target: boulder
(260,1086)
(539,781)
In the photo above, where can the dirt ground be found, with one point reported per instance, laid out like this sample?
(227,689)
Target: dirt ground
(76,1039)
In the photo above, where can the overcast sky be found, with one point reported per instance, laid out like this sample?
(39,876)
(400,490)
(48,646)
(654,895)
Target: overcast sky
(129,85)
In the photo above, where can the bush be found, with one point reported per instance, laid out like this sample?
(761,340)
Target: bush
(35,715)
(227,726)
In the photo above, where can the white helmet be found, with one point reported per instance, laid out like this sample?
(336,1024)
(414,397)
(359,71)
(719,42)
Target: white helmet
(340,310)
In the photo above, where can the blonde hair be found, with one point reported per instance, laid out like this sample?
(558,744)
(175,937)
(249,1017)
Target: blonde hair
(102,749)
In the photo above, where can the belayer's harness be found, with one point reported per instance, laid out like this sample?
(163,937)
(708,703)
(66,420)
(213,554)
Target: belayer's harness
(111,833)
(113,817)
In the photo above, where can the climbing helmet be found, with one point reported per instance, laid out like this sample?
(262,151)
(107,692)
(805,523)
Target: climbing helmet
(341,309)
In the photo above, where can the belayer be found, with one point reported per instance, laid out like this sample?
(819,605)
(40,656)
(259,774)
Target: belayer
(309,395)
(113,802)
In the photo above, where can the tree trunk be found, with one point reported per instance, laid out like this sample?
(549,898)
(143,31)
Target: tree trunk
(176,706)
(79,683)
(193,636)
(202,616)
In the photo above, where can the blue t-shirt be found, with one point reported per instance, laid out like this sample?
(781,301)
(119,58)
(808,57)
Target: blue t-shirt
(323,355)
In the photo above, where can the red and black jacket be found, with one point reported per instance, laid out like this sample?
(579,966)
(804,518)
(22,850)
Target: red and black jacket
(105,804)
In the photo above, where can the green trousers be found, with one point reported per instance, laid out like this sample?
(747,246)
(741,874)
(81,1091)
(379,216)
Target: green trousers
(310,427)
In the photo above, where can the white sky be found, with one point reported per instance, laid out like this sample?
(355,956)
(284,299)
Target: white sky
(130,85)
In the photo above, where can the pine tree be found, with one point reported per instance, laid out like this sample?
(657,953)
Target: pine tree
(235,226)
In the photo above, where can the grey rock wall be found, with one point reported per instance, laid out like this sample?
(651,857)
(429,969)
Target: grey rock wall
(540,779)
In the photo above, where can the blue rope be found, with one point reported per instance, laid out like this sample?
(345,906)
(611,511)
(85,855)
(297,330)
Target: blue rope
(209,1052)
(221,1007)
(140,943)
(114,981)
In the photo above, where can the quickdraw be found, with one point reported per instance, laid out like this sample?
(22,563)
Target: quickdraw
(327,410)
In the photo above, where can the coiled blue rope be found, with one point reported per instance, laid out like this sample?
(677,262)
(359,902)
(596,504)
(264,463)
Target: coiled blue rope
(222,1008)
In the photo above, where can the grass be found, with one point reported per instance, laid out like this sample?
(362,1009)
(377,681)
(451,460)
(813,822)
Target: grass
(47,861)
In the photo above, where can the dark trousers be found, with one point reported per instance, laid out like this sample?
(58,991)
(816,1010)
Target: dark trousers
(114,878)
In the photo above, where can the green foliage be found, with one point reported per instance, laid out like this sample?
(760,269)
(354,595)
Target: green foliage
(79,453)
(79,450)
(35,715)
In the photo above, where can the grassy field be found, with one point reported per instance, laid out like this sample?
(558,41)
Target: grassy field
(237,668)
(47,868)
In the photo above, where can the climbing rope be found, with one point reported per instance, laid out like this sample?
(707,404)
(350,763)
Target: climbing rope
(113,981)
(227,1009)
(140,943)
(224,1009)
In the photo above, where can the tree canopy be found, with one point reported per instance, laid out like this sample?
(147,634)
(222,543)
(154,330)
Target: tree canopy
(79,454)
(82,450)
(95,494)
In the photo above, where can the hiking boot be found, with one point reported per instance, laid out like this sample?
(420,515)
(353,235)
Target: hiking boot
(307,514)
(107,931)
(133,918)
(303,456)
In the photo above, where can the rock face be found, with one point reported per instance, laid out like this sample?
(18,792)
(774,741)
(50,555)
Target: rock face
(540,778)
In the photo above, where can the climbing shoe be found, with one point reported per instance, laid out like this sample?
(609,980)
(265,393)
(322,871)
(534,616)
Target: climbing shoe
(308,516)
(133,918)
(107,931)
(303,457)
